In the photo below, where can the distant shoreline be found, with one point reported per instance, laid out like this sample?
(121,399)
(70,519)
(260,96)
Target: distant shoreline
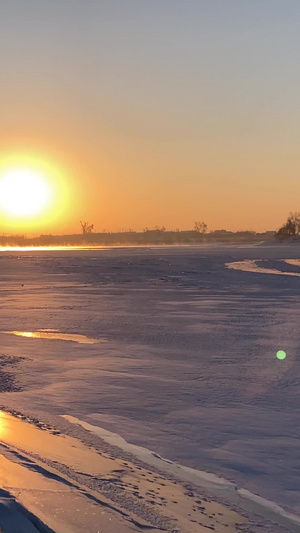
(131,238)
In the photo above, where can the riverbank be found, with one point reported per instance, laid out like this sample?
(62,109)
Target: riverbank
(53,482)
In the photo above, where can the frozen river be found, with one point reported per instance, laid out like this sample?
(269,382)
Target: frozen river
(169,348)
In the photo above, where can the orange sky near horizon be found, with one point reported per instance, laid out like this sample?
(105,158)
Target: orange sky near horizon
(159,114)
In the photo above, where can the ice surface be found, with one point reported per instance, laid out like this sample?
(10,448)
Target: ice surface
(189,369)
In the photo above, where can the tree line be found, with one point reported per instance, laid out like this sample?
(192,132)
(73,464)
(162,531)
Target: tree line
(290,229)
(199,227)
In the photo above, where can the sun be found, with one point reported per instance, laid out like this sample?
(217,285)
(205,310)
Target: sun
(24,192)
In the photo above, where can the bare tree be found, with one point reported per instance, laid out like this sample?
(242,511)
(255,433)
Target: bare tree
(290,228)
(86,227)
(200,227)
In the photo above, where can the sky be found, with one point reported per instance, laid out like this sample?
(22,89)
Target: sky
(153,112)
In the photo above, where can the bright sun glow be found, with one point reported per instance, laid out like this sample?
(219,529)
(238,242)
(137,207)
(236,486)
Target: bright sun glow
(23,192)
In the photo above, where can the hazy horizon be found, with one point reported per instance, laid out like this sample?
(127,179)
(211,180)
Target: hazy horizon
(37,234)
(153,113)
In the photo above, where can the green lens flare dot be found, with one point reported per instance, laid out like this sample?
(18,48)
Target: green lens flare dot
(281,354)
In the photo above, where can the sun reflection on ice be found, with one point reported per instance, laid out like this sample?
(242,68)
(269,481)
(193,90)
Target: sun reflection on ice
(56,335)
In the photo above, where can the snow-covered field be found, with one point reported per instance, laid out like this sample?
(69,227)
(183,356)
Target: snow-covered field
(180,352)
